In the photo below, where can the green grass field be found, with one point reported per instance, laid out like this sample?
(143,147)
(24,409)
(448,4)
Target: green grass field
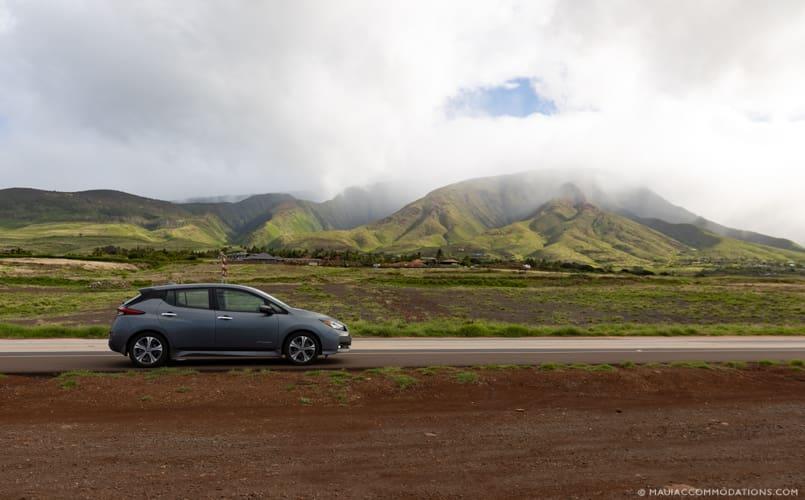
(59,238)
(54,298)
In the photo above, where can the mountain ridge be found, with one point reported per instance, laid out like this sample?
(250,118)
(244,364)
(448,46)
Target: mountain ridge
(509,216)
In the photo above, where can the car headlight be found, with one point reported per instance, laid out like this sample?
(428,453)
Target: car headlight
(335,325)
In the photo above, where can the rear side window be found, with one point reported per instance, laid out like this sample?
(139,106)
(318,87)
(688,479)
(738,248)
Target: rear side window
(134,300)
(145,295)
(197,298)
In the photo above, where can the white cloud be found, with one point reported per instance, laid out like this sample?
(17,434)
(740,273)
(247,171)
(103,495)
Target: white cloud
(178,99)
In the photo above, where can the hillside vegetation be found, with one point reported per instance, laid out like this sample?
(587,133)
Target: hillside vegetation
(539,215)
(485,217)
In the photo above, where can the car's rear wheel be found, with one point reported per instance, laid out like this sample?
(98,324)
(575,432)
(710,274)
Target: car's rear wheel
(148,350)
(301,348)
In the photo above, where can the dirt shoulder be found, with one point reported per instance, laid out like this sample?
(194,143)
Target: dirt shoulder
(498,432)
(84,264)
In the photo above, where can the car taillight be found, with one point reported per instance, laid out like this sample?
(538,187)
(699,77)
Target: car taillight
(128,311)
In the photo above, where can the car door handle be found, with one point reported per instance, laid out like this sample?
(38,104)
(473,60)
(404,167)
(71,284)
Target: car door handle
(227,318)
(169,315)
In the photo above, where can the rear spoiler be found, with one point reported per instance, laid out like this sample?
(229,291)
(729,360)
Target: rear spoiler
(152,288)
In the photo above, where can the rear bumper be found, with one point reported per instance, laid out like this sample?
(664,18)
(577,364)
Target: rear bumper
(117,344)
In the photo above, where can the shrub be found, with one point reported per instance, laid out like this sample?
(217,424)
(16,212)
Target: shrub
(466,377)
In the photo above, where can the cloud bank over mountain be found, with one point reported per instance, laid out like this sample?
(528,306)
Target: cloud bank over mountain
(699,101)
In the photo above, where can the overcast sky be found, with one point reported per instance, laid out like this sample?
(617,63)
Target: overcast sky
(701,101)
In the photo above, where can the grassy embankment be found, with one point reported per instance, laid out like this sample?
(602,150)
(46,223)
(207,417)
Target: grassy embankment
(446,328)
(77,299)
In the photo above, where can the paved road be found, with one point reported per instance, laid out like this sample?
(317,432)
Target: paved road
(56,355)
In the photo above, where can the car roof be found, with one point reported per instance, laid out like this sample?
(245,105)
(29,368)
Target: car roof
(176,286)
(184,286)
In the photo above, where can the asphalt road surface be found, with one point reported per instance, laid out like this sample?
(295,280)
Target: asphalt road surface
(57,355)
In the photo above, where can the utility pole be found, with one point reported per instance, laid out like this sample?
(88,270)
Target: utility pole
(224,273)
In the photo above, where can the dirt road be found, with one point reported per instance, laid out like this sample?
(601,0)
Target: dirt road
(486,433)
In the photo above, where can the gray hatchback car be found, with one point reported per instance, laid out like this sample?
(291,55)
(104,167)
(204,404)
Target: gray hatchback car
(177,321)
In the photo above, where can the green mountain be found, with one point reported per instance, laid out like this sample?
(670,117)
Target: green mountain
(576,231)
(23,206)
(454,213)
(535,214)
(58,222)
(563,229)
(55,222)
(643,204)
(570,216)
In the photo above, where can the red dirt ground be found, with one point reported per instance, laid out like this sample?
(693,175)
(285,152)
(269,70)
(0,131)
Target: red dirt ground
(513,433)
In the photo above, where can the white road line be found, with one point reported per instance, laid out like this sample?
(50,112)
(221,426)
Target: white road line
(583,351)
(451,351)
(502,344)
(66,355)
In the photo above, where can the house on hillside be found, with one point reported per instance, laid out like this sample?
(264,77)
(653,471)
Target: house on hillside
(416,263)
(262,258)
(303,261)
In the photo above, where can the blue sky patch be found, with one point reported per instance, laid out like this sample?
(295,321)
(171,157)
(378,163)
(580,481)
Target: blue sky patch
(516,97)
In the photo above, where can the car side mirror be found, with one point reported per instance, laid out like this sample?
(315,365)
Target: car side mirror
(267,309)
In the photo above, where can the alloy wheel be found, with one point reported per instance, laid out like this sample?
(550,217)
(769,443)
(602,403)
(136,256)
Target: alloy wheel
(147,350)
(302,349)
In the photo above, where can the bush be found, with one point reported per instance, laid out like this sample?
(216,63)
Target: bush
(466,377)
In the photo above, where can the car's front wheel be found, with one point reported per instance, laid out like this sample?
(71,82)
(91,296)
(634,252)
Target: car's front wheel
(148,350)
(301,348)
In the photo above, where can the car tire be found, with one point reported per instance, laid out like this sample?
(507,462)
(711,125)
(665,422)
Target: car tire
(148,350)
(301,348)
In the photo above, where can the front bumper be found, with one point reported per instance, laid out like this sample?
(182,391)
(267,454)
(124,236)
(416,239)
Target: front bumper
(334,346)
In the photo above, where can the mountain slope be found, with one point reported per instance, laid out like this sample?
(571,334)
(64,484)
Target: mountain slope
(562,229)
(580,232)
(243,217)
(357,206)
(642,204)
(466,208)
(489,216)
(23,206)
(55,222)
(51,221)
(450,214)
(287,219)
(579,216)
(263,219)
(60,238)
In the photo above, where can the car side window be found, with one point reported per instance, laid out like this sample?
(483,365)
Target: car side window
(197,298)
(238,301)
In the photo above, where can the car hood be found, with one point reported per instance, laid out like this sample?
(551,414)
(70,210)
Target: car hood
(308,314)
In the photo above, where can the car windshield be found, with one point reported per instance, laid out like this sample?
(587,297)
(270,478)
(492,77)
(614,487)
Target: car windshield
(274,299)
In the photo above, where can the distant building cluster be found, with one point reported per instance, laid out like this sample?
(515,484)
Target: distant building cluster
(267,258)
(422,262)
